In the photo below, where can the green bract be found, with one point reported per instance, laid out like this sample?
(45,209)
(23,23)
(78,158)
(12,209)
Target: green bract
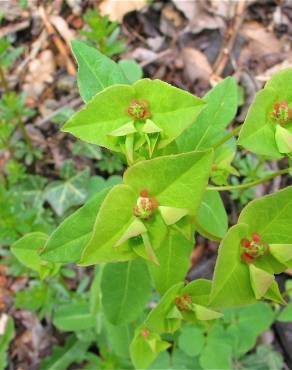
(107,119)
(267,129)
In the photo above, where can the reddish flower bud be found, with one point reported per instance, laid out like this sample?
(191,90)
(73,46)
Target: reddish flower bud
(245,257)
(245,243)
(144,193)
(183,303)
(145,205)
(256,237)
(282,113)
(145,333)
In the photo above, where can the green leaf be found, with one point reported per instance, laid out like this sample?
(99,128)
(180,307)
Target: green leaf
(172,110)
(199,290)
(7,334)
(212,216)
(174,260)
(191,340)
(27,251)
(74,317)
(258,131)
(221,109)
(126,288)
(265,358)
(119,337)
(95,70)
(158,320)
(231,274)
(271,217)
(286,314)
(145,350)
(283,139)
(217,353)
(131,69)
(62,357)
(113,219)
(63,195)
(260,281)
(282,252)
(175,180)
(67,242)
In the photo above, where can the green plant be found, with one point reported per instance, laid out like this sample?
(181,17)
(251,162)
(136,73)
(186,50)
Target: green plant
(141,232)
(103,34)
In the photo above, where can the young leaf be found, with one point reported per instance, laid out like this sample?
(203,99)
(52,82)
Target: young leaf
(174,261)
(113,219)
(68,193)
(68,240)
(171,109)
(231,274)
(282,252)
(126,288)
(221,109)
(260,281)
(212,216)
(95,70)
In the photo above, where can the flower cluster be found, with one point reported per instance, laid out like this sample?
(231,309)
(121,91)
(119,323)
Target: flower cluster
(253,249)
(184,303)
(139,109)
(145,206)
(282,113)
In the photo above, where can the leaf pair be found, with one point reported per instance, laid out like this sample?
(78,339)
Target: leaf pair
(267,129)
(178,303)
(176,182)
(270,217)
(114,117)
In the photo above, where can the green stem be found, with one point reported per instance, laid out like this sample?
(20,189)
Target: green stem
(227,137)
(250,184)
(3,80)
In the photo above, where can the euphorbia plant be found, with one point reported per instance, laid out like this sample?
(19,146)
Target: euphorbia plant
(142,231)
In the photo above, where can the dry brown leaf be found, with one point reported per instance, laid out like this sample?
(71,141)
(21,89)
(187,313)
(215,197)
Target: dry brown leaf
(40,72)
(62,27)
(278,67)
(197,65)
(116,9)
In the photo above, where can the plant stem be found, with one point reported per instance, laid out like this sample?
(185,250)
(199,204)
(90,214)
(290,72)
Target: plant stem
(228,136)
(3,80)
(250,184)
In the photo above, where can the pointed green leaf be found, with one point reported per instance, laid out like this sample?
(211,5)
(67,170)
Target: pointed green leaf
(175,181)
(282,252)
(221,109)
(174,260)
(212,215)
(258,131)
(231,274)
(150,127)
(274,294)
(172,215)
(271,217)
(281,82)
(135,228)
(126,288)
(145,350)
(283,139)
(199,290)
(95,70)
(204,313)
(131,69)
(113,219)
(124,130)
(172,110)
(286,314)
(260,281)
(67,242)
